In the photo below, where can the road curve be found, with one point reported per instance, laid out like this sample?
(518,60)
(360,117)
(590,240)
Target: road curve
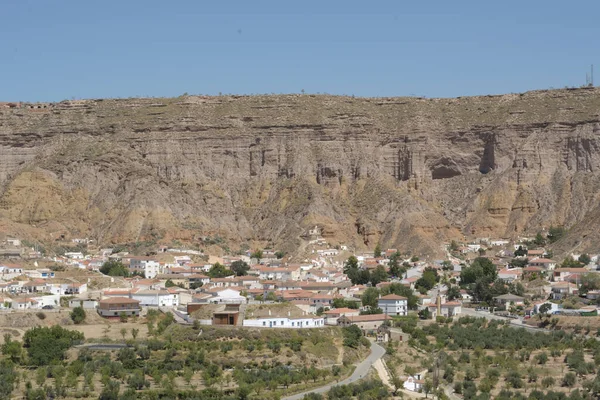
(360,372)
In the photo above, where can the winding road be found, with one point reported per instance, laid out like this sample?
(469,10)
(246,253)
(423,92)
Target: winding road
(360,372)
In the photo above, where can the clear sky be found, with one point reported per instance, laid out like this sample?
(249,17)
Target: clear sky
(63,49)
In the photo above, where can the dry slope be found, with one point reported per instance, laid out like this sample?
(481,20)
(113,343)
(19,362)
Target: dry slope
(408,172)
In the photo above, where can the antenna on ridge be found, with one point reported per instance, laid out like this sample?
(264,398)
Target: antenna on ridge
(589,78)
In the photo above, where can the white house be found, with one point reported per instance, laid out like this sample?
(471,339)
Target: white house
(393,304)
(182,260)
(413,383)
(328,252)
(24,304)
(536,307)
(144,265)
(222,296)
(510,275)
(545,263)
(88,304)
(448,309)
(75,255)
(280,274)
(331,316)
(285,322)
(159,298)
(50,300)
(474,247)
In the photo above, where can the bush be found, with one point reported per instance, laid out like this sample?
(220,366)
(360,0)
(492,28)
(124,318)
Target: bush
(40,315)
(569,379)
(78,315)
(548,382)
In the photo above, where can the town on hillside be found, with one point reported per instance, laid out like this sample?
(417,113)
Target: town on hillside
(333,285)
(519,282)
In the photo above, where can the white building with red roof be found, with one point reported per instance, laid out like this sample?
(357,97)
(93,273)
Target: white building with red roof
(392,304)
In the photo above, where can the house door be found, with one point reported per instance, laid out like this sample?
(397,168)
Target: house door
(270,324)
(231,320)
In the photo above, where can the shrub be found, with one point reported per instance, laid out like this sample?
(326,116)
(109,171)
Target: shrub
(548,382)
(569,379)
(40,315)
(78,315)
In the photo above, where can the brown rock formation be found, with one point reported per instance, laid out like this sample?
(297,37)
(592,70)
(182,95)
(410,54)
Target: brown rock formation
(408,172)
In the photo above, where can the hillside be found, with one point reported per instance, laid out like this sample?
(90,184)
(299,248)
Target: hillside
(407,172)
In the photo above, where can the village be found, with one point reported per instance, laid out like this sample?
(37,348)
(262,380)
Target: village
(262,288)
(334,286)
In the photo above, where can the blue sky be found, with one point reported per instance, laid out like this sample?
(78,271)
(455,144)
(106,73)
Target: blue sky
(56,50)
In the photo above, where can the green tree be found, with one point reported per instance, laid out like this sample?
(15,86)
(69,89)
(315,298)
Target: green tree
(427,387)
(453,293)
(556,233)
(46,345)
(12,349)
(480,267)
(539,240)
(8,377)
(589,281)
(545,308)
(78,315)
(570,262)
(279,254)
(352,336)
(428,280)
(519,262)
(584,259)
(169,283)
(453,247)
(114,268)
(352,271)
(395,269)
(424,313)
(520,252)
(258,254)
(379,275)
(377,252)
(542,358)
(219,271)
(369,297)
(548,382)
(110,391)
(240,268)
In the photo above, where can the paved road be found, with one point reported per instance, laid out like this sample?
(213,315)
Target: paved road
(360,372)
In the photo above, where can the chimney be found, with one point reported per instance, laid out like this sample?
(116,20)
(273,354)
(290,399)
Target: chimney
(269,312)
(289,313)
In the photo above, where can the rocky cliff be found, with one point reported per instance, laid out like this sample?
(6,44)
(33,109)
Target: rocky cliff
(406,172)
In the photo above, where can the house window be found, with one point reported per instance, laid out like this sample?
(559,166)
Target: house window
(292,324)
(264,323)
(281,322)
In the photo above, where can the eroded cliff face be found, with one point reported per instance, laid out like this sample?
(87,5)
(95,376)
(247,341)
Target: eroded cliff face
(406,172)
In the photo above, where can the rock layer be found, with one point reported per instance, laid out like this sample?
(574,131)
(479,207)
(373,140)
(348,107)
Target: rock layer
(406,172)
